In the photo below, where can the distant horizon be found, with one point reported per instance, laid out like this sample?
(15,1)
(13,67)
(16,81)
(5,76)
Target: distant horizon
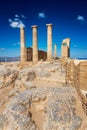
(57,56)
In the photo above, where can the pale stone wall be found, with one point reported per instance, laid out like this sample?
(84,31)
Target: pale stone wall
(76,75)
(70,72)
(82,74)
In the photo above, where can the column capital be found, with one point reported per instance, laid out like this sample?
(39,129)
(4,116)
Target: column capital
(21,28)
(49,24)
(34,26)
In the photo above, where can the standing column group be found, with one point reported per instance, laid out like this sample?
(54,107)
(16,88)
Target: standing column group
(23,56)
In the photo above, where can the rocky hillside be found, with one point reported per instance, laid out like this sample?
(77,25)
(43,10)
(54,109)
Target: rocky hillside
(35,97)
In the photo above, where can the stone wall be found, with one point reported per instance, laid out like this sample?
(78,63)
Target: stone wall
(70,68)
(76,75)
(82,75)
(29,54)
(41,54)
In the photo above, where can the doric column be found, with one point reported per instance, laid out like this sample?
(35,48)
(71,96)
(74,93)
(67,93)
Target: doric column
(49,42)
(22,44)
(35,43)
(55,51)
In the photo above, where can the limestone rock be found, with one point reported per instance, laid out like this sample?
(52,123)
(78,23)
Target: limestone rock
(58,106)
(18,84)
(61,110)
(42,73)
(2,122)
(18,117)
(25,105)
(10,79)
(27,75)
(1,84)
(28,85)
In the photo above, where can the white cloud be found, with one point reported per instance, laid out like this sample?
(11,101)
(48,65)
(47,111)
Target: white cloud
(80,18)
(16,19)
(2,49)
(9,20)
(16,22)
(41,15)
(21,24)
(23,16)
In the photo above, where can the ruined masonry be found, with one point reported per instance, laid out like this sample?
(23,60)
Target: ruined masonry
(66,48)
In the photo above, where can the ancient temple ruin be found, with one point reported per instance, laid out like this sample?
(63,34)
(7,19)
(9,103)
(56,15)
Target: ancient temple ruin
(33,54)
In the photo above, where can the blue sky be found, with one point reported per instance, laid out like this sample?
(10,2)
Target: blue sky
(69,19)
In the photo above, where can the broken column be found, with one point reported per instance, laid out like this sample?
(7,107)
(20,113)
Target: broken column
(66,48)
(35,44)
(22,44)
(49,42)
(55,51)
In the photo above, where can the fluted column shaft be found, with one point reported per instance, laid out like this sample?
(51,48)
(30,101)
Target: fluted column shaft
(35,43)
(55,51)
(49,42)
(22,44)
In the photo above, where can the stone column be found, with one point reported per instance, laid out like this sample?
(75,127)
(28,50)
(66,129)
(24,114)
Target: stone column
(66,48)
(55,51)
(22,44)
(49,42)
(35,44)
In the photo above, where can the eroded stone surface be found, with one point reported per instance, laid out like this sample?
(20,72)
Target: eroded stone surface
(25,105)
(58,106)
